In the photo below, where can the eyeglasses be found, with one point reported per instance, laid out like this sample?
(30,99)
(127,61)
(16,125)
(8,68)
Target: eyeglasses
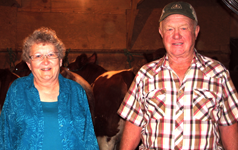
(39,57)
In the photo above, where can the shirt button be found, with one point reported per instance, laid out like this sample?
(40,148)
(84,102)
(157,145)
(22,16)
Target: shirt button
(61,125)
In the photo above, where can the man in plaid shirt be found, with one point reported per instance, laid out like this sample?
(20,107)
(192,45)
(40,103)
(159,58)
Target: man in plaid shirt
(183,101)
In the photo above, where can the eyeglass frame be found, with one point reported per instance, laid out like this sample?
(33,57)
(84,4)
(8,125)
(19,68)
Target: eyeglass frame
(43,56)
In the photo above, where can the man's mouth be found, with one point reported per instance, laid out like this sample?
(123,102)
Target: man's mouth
(177,43)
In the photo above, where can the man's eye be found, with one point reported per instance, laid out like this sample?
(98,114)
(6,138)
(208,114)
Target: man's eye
(184,28)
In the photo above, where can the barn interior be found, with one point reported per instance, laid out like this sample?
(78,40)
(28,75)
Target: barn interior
(119,31)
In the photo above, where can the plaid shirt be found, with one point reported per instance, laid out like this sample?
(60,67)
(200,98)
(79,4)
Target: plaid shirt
(186,116)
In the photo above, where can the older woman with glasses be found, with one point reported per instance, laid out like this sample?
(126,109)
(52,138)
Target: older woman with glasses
(45,110)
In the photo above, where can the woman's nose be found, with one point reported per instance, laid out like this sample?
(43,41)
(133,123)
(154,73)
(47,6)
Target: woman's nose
(45,59)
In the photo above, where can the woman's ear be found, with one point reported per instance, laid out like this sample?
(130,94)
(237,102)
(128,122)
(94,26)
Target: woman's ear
(29,65)
(61,62)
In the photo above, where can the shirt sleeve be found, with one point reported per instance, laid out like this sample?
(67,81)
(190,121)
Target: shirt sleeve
(5,124)
(89,136)
(229,113)
(131,107)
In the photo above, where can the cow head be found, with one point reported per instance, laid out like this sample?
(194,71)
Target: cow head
(86,67)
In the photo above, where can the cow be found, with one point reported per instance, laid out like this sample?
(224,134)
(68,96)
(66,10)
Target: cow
(6,79)
(86,67)
(109,89)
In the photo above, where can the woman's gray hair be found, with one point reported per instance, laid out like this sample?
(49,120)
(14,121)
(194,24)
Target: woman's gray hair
(42,35)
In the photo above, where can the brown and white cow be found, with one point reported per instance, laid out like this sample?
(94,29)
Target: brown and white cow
(109,89)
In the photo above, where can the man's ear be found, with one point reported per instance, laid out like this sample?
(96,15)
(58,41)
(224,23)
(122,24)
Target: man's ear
(197,31)
(160,32)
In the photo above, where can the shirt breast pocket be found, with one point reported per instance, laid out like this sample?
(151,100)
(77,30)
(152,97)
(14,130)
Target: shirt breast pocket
(204,103)
(155,104)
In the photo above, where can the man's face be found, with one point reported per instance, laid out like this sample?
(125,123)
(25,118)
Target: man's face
(179,35)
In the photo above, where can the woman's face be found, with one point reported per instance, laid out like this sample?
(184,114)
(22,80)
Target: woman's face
(45,70)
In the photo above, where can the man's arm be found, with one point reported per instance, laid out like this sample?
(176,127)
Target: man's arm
(130,137)
(229,136)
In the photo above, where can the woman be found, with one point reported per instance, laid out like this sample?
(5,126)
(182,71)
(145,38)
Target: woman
(45,110)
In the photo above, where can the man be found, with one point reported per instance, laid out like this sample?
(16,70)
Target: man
(183,100)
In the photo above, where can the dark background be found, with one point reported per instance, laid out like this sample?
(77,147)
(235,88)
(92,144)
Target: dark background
(114,29)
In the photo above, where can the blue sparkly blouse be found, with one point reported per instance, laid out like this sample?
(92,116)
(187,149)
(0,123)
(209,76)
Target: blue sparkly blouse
(22,119)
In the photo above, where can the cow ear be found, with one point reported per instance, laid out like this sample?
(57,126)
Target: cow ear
(81,59)
(93,58)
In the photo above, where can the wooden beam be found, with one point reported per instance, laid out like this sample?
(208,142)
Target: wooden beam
(131,15)
(19,3)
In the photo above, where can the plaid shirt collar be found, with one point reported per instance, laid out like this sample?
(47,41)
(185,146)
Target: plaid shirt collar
(197,60)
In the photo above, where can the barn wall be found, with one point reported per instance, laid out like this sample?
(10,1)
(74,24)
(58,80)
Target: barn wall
(110,28)
(216,28)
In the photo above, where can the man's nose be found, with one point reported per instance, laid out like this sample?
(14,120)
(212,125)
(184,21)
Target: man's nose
(177,34)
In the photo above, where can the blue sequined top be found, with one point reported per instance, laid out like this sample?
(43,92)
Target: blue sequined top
(22,122)
(51,136)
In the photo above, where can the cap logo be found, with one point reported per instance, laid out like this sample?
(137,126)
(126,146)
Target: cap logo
(176,6)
